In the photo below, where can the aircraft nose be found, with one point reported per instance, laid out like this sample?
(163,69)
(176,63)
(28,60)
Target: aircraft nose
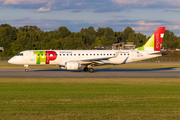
(10,61)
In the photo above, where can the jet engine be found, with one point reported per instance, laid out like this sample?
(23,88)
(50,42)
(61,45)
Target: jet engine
(72,65)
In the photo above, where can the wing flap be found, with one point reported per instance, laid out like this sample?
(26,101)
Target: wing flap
(105,58)
(96,60)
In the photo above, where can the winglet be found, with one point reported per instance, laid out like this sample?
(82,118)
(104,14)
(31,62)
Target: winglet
(124,62)
(116,54)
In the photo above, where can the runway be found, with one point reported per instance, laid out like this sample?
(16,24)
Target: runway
(98,73)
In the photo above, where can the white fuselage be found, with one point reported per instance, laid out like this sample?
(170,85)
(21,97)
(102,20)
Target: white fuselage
(60,57)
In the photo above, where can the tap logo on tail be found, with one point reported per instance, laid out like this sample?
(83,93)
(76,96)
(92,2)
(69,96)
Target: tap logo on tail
(158,38)
(155,42)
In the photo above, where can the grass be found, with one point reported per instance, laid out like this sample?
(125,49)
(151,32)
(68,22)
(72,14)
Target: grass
(90,98)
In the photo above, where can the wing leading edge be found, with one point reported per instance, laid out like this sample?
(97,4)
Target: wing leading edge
(95,60)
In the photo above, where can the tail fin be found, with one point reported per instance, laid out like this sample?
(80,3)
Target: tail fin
(155,42)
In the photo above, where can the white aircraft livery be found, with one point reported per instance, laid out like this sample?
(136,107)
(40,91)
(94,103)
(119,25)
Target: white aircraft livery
(76,59)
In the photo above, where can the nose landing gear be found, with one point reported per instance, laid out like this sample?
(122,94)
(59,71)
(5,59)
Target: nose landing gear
(26,68)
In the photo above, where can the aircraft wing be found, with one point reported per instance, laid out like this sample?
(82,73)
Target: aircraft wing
(96,60)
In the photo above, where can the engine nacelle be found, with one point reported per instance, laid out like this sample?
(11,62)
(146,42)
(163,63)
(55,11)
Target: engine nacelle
(72,65)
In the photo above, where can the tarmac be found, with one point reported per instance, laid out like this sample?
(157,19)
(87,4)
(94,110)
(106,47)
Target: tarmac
(98,73)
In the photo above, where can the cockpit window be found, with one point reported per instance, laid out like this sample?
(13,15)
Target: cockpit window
(19,54)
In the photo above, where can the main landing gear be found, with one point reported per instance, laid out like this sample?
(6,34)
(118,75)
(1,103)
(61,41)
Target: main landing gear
(88,68)
(26,68)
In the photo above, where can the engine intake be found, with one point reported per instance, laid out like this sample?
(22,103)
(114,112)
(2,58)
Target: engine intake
(72,65)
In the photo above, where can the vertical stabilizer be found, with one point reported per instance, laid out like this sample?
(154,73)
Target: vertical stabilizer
(155,42)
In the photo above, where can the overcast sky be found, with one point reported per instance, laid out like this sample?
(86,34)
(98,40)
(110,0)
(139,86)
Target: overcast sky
(143,16)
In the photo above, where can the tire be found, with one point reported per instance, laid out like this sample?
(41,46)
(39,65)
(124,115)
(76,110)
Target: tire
(86,69)
(26,70)
(91,70)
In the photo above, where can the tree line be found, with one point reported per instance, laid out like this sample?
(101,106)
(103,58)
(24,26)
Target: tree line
(33,38)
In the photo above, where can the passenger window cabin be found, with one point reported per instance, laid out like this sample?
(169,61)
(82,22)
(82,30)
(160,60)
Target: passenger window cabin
(85,54)
(51,54)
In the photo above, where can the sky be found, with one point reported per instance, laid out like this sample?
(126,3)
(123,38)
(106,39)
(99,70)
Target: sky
(144,16)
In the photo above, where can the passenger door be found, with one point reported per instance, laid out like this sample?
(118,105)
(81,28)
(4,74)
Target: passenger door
(31,56)
(133,54)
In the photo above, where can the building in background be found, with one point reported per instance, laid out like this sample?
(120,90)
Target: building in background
(123,46)
(117,46)
(129,46)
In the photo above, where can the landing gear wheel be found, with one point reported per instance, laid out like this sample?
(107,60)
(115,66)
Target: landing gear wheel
(91,70)
(26,68)
(86,69)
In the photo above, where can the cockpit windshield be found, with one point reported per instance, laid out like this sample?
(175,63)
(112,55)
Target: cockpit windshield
(19,54)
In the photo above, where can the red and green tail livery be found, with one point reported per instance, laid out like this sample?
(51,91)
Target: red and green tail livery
(155,42)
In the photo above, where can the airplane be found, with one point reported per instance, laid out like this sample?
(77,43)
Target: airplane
(77,59)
